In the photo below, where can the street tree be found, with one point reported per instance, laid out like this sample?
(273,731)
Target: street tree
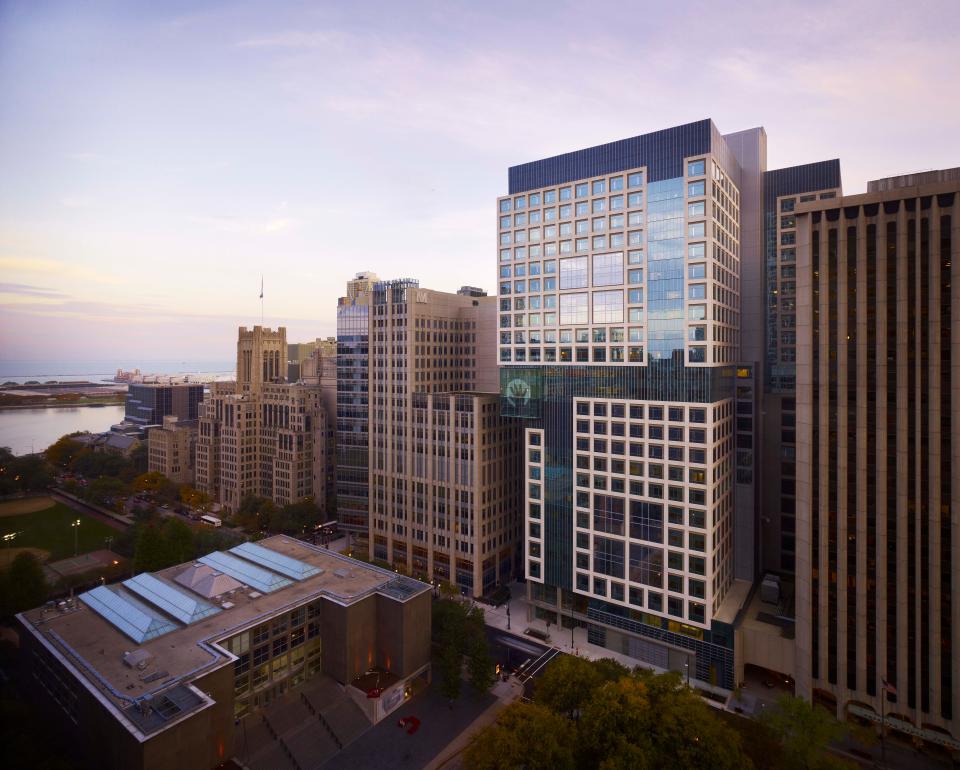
(804,731)
(525,735)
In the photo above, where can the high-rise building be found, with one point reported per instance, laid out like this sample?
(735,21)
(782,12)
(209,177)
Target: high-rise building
(261,357)
(149,402)
(877,413)
(619,338)
(444,465)
(262,436)
(171,449)
(352,442)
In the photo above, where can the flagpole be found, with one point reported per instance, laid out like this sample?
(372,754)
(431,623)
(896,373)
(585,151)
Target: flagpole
(261,299)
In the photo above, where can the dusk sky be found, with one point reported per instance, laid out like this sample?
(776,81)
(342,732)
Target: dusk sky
(157,157)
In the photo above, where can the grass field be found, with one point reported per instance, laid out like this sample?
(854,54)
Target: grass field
(49,528)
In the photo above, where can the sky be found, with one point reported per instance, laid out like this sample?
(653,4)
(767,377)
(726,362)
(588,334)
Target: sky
(157,158)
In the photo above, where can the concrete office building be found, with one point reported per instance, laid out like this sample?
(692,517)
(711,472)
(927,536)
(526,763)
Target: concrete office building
(352,440)
(148,402)
(262,436)
(171,449)
(444,465)
(877,412)
(178,668)
(619,337)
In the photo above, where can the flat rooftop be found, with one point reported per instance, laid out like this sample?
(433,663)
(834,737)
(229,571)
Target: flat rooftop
(178,645)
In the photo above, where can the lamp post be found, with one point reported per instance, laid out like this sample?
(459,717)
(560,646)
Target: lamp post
(76,536)
(686,668)
(508,615)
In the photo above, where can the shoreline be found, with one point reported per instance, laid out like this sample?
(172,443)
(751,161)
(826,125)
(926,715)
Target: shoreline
(17,407)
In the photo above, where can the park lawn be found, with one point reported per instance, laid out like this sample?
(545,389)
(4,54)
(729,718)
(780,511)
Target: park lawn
(50,530)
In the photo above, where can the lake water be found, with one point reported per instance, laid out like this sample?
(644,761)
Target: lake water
(33,430)
(20,371)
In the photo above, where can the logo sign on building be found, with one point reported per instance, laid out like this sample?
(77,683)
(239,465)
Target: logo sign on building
(520,392)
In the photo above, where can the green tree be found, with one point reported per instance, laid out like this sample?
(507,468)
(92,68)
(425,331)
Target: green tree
(23,584)
(615,725)
(138,460)
(451,667)
(100,490)
(804,731)
(524,736)
(178,542)
(150,551)
(479,660)
(194,497)
(62,452)
(255,513)
(569,682)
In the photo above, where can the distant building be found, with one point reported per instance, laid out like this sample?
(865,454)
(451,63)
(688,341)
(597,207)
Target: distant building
(161,670)
(261,357)
(171,449)
(149,403)
(262,436)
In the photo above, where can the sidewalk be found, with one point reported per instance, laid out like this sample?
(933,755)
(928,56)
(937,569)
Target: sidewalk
(450,758)
(521,618)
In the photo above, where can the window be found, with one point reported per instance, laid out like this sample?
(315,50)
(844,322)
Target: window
(599,206)
(698,209)
(696,168)
(635,296)
(599,242)
(550,196)
(608,514)
(635,179)
(599,187)
(608,557)
(646,565)
(696,251)
(635,199)
(696,230)
(698,312)
(607,307)
(616,183)
(616,202)
(646,521)
(697,271)
(582,189)
(607,269)
(573,274)
(696,189)
(573,309)
(697,291)
(505,205)
(565,193)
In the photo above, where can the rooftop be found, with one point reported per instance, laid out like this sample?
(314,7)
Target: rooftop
(170,623)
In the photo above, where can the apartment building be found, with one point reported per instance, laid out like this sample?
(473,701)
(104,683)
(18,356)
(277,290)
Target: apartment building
(877,410)
(444,465)
(171,449)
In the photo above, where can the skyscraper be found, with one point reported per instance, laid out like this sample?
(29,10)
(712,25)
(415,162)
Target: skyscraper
(444,464)
(877,410)
(352,443)
(619,337)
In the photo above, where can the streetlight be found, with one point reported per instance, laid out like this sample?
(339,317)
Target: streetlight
(76,536)
(686,668)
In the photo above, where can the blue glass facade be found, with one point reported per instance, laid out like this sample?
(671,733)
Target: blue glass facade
(662,152)
(353,324)
(665,267)
(795,180)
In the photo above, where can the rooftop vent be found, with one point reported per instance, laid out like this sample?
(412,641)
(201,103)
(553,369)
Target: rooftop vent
(254,594)
(342,573)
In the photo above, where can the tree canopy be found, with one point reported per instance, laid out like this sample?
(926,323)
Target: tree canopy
(611,718)
(22,585)
(803,731)
(460,632)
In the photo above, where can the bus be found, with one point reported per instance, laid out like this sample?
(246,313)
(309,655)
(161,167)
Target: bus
(213,521)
